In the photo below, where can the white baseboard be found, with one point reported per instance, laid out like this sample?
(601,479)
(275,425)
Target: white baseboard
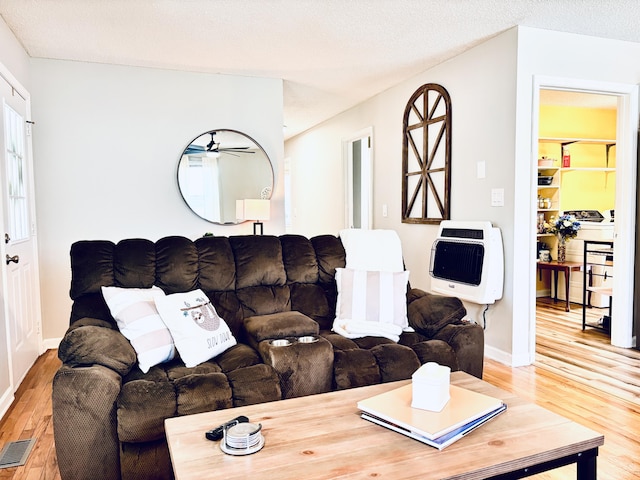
(51,343)
(497,355)
(506,358)
(5,401)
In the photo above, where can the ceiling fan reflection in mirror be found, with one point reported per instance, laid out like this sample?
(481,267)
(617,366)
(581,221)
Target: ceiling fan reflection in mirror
(214,149)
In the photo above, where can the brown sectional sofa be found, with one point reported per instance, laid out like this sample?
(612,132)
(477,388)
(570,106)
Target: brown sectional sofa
(108,415)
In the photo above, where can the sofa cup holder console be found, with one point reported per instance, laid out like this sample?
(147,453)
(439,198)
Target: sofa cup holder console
(304,364)
(285,342)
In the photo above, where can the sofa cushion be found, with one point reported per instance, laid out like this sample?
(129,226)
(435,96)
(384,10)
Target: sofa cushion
(176,264)
(264,299)
(299,259)
(258,261)
(339,342)
(280,325)
(355,368)
(396,362)
(143,405)
(330,254)
(197,330)
(238,356)
(135,312)
(202,392)
(134,263)
(217,268)
(91,266)
(255,384)
(436,351)
(310,299)
(177,370)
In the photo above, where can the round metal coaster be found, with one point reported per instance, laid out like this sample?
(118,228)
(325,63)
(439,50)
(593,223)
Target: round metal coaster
(243,451)
(242,435)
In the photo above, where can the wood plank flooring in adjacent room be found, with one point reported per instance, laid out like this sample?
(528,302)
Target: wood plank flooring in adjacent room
(584,356)
(576,374)
(579,375)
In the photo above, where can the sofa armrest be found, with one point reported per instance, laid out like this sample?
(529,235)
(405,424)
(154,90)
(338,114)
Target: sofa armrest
(467,341)
(429,313)
(84,422)
(96,345)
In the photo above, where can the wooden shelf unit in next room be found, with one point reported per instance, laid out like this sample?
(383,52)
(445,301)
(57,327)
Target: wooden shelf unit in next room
(594,156)
(597,272)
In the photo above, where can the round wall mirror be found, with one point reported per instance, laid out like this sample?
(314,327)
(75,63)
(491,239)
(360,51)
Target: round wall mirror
(220,167)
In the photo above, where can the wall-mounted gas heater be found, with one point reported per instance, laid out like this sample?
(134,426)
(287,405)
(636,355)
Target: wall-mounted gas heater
(467,261)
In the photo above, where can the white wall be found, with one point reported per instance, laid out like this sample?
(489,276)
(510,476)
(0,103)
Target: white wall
(482,85)
(13,57)
(107,141)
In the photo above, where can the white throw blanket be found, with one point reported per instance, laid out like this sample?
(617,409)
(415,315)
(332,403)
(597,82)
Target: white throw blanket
(362,328)
(371,251)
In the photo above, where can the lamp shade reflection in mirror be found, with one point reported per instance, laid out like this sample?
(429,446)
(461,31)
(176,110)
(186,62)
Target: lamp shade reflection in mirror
(219,167)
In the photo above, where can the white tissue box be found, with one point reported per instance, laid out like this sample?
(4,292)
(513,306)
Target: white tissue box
(431,387)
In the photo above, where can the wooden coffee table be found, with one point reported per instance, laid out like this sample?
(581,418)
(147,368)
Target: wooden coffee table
(323,437)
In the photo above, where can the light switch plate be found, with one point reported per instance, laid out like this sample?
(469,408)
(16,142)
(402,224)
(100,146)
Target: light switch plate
(481,169)
(497,197)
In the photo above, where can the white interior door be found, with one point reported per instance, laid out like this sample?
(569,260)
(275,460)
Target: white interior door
(19,255)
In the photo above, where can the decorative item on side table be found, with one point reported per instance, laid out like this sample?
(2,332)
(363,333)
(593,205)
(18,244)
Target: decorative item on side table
(565,228)
(253,209)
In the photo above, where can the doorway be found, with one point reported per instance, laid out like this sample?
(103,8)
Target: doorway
(625,98)
(576,178)
(358,179)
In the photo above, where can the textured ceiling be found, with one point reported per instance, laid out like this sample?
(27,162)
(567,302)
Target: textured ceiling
(332,54)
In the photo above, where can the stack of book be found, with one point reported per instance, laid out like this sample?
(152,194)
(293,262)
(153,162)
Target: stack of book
(465,411)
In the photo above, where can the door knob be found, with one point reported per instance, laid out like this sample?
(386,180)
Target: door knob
(14,259)
(6,238)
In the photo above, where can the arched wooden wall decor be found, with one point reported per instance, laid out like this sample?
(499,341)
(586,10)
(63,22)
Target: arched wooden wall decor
(426,156)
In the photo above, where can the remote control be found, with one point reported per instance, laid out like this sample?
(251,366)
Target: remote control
(218,432)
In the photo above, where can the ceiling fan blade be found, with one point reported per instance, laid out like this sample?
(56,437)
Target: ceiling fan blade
(235,149)
(194,149)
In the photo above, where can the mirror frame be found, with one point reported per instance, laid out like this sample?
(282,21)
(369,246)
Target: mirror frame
(255,145)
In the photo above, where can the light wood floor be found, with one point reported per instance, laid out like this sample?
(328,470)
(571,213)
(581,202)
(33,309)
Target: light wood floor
(29,417)
(576,374)
(581,376)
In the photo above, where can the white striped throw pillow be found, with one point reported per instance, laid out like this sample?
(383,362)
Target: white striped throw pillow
(135,312)
(372,296)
